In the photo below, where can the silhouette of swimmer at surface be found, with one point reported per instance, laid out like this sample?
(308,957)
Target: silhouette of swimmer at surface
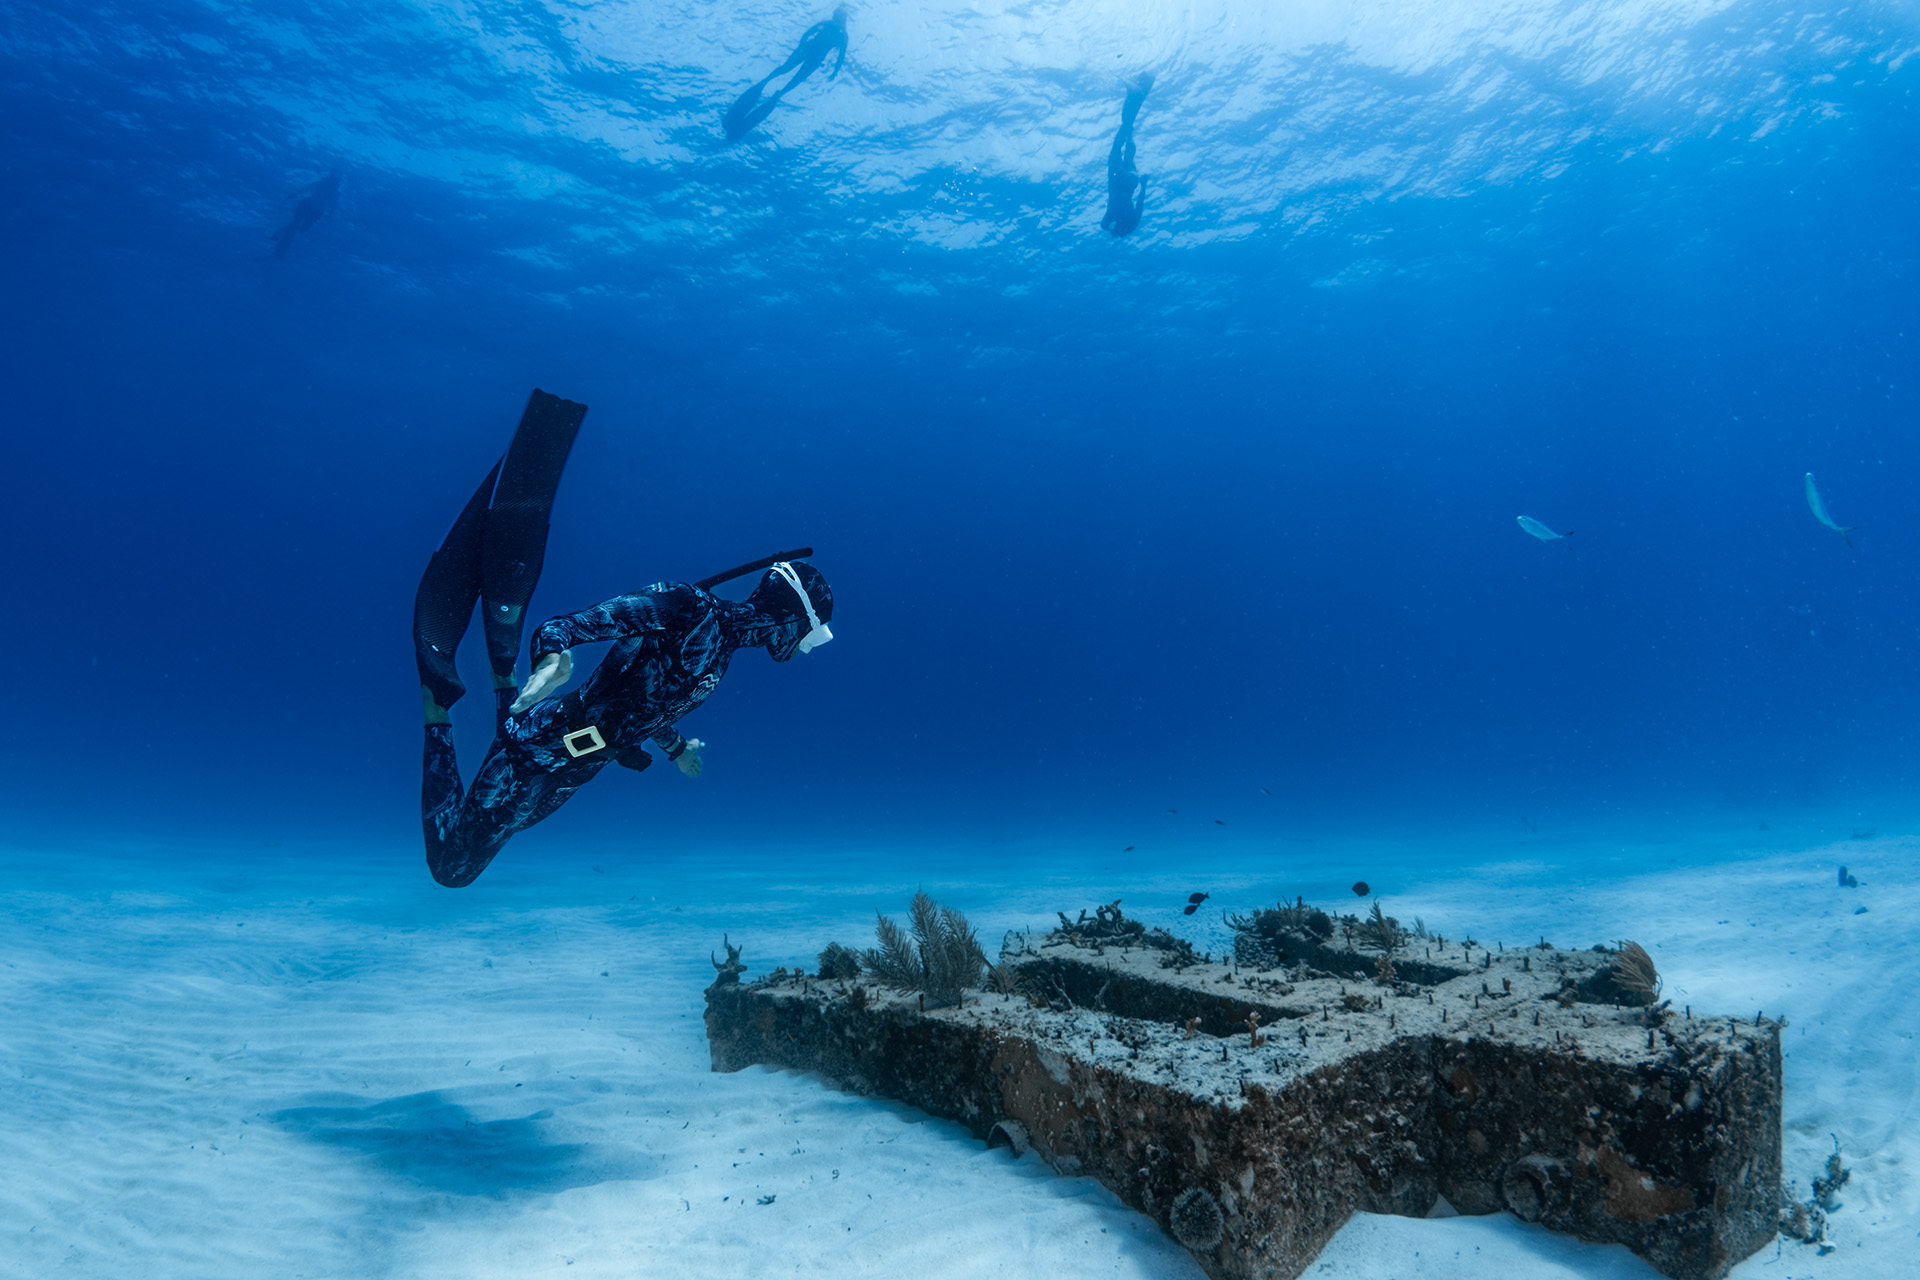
(313,206)
(821,39)
(1124,207)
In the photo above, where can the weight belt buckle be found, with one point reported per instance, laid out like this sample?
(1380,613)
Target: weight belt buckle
(590,736)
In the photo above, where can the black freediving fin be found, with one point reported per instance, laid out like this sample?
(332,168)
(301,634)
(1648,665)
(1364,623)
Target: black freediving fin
(449,589)
(515,545)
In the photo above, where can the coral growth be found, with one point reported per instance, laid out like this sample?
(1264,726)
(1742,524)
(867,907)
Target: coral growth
(839,962)
(1806,1221)
(942,961)
(1381,930)
(1195,1220)
(1006,980)
(1826,1190)
(727,974)
(1109,924)
(1258,936)
(1109,927)
(1634,976)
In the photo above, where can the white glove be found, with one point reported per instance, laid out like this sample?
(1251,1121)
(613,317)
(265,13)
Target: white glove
(554,670)
(689,760)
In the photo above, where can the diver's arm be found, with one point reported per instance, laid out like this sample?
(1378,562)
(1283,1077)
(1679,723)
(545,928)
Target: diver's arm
(841,59)
(1140,200)
(684,752)
(615,619)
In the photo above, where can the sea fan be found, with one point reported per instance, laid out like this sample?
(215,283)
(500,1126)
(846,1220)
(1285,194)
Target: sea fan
(892,963)
(1381,930)
(1633,973)
(943,960)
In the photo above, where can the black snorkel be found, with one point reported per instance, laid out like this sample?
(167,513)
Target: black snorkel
(764,562)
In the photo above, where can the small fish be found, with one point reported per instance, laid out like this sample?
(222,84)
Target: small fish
(1529,525)
(1173,811)
(1265,792)
(1218,823)
(1360,889)
(1193,902)
(1128,849)
(1819,508)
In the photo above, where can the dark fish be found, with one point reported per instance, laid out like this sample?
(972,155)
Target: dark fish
(1128,849)
(1193,902)
(1265,792)
(1360,889)
(1218,823)
(1173,811)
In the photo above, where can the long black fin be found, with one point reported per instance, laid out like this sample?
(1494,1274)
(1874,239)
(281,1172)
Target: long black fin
(449,589)
(515,545)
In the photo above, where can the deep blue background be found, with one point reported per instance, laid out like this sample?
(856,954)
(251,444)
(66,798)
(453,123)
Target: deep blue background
(1162,526)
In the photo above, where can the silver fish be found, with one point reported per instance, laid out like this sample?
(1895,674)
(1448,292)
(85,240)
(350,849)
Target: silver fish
(1819,508)
(1529,525)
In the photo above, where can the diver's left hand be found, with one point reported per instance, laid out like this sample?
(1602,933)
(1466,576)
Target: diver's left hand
(549,674)
(689,760)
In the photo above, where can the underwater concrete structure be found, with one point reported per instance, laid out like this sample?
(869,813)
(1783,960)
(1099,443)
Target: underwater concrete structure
(1252,1108)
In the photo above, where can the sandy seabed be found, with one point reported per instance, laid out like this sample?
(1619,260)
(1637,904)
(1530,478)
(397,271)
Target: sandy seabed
(294,1063)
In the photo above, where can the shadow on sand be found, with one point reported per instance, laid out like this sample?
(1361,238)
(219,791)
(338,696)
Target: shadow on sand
(427,1139)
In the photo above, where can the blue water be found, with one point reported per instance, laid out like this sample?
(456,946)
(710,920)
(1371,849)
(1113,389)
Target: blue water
(1201,542)
(1114,526)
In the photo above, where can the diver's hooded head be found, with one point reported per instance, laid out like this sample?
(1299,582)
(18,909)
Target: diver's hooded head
(796,597)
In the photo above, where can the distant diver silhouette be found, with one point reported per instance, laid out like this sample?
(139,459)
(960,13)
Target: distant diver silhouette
(313,206)
(1124,207)
(671,645)
(821,39)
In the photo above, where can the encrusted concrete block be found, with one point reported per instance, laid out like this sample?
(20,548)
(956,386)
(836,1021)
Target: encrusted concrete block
(1253,1111)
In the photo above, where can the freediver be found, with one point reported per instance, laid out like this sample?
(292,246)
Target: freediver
(313,206)
(671,645)
(1123,206)
(821,39)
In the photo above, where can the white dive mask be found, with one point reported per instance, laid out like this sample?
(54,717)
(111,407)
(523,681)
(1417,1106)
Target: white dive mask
(818,632)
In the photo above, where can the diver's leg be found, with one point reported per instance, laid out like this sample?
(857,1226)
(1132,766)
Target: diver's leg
(465,832)
(443,605)
(515,543)
(794,59)
(807,68)
(506,797)
(440,802)
(558,790)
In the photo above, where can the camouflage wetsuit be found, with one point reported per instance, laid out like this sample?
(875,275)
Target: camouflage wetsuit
(672,643)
